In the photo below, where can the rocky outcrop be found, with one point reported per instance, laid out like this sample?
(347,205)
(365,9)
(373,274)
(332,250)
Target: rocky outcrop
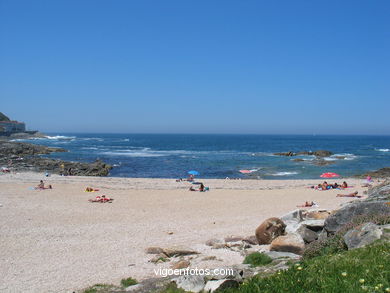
(20,156)
(362,235)
(381,173)
(343,216)
(269,230)
(319,153)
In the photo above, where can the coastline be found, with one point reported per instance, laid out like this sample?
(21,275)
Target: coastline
(56,241)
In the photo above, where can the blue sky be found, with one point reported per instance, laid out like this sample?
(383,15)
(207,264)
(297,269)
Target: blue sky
(196,66)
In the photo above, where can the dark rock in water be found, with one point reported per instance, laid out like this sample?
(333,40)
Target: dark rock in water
(381,173)
(322,153)
(319,153)
(287,154)
(20,156)
(322,162)
(297,160)
(344,215)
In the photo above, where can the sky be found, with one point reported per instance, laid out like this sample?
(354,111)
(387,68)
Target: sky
(140,66)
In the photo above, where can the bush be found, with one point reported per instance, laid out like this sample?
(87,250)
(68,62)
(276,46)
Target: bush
(335,243)
(128,282)
(360,270)
(257,259)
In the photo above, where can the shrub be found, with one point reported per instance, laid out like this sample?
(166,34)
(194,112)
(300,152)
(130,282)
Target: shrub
(128,282)
(257,259)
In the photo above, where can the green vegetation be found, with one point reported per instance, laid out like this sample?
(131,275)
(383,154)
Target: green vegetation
(365,269)
(257,259)
(100,288)
(335,243)
(128,282)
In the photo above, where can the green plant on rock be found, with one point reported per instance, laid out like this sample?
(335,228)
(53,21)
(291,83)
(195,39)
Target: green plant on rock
(128,282)
(257,259)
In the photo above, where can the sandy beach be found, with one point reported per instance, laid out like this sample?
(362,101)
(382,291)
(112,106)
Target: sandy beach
(57,241)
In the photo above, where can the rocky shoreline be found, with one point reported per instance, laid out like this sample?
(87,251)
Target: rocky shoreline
(21,156)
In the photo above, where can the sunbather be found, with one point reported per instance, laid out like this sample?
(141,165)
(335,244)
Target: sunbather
(90,189)
(353,194)
(101,199)
(307,205)
(41,186)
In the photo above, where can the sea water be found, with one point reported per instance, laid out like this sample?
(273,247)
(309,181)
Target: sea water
(221,156)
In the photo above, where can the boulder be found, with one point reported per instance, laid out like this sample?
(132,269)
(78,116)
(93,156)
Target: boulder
(178,251)
(344,215)
(269,230)
(181,264)
(362,235)
(286,154)
(307,234)
(322,153)
(315,225)
(190,283)
(295,215)
(317,215)
(220,285)
(288,243)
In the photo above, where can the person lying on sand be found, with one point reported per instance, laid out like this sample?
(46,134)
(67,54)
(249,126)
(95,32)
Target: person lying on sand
(41,186)
(202,188)
(101,199)
(90,189)
(353,194)
(307,205)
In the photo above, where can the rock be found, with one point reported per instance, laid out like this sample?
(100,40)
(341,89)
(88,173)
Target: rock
(296,216)
(159,258)
(149,285)
(288,243)
(231,273)
(298,160)
(380,192)
(381,173)
(220,285)
(154,250)
(322,162)
(362,235)
(344,215)
(317,215)
(190,283)
(178,251)
(286,154)
(322,235)
(233,238)
(279,255)
(181,264)
(307,234)
(212,242)
(315,225)
(322,153)
(220,246)
(251,240)
(269,230)
(134,288)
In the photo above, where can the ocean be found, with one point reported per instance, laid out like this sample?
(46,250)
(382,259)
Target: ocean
(221,156)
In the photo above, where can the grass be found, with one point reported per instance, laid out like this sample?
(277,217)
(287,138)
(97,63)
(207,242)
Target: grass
(365,269)
(172,288)
(97,288)
(128,282)
(257,259)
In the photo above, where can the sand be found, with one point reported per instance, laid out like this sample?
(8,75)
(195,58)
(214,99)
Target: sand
(56,241)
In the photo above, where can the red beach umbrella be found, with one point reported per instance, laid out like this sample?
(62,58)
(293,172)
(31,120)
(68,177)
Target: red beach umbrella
(329,175)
